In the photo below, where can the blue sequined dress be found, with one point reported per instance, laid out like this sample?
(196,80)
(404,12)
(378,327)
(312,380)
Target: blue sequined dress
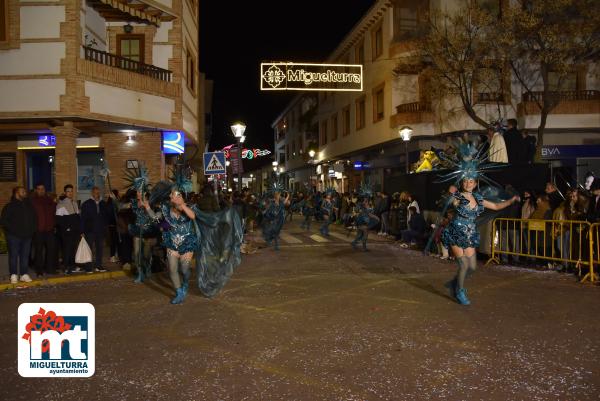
(462,230)
(181,235)
(274,217)
(144,225)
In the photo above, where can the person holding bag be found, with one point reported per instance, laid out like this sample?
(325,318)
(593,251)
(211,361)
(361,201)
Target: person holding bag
(69,225)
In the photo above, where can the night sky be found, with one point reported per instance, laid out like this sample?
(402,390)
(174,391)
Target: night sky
(235,37)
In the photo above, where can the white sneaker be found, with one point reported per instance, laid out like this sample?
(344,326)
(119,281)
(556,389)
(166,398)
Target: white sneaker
(26,278)
(127,266)
(114,259)
(14,279)
(100,269)
(77,270)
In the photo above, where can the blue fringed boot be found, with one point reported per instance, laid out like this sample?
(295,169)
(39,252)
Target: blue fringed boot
(179,297)
(461,297)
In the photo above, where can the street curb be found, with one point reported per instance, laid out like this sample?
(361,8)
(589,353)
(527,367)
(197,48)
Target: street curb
(65,279)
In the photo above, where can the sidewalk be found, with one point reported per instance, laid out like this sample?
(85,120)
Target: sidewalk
(114,271)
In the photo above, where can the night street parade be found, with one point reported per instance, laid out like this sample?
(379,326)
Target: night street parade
(342,200)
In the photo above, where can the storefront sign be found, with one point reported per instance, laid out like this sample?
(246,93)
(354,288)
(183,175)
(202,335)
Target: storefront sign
(569,151)
(47,140)
(173,142)
(315,77)
(331,173)
(358,165)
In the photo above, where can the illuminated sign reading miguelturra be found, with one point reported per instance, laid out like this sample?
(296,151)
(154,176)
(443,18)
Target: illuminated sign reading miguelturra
(316,77)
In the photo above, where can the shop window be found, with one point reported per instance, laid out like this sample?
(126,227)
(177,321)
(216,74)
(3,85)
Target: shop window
(131,47)
(334,127)
(323,133)
(3,20)
(378,104)
(191,71)
(359,53)
(377,41)
(346,121)
(405,19)
(360,113)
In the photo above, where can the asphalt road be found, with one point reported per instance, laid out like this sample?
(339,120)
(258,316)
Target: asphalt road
(320,321)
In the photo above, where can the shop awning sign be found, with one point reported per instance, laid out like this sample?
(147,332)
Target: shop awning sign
(173,142)
(311,77)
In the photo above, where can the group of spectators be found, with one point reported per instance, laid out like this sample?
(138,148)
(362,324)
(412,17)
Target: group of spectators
(41,229)
(510,145)
(564,236)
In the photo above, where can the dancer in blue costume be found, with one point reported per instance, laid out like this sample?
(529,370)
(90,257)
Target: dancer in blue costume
(215,237)
(143,230)
(461,235)
(327,211)
(274,215)
(308,211)
(364,219)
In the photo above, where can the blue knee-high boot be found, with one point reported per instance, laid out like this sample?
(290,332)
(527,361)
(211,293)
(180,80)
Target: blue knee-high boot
(179,296)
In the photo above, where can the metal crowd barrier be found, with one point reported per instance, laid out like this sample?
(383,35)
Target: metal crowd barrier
(563,241)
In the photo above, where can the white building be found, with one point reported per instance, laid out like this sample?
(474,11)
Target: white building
(90,80)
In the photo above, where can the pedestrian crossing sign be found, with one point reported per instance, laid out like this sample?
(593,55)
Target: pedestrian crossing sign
(214,163)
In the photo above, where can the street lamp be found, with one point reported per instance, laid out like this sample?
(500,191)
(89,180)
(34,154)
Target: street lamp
(238,131)
(406,134)
(311,153)
(252,182)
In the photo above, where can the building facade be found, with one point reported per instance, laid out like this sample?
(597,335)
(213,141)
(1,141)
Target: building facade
(96,83)
(358,132)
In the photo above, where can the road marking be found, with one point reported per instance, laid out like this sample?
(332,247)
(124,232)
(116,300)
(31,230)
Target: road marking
(290,239)
(341,236)
(318,238)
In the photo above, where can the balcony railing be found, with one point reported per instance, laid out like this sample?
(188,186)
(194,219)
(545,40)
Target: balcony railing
(563,95)
(124,63)
(414,107)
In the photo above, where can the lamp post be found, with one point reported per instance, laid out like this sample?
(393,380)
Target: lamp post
(406,134)
(311,153)
(252,182)
(238,131)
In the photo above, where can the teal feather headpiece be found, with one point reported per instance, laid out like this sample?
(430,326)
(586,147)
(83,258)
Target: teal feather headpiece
(329,191)
(469,162)
(365,190)
(137,179)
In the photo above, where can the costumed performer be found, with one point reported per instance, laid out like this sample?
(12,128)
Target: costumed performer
(274,215)
(462,235)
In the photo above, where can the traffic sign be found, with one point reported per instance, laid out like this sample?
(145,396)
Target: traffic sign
(214,163)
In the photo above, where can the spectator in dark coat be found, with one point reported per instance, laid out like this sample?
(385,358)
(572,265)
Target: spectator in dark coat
(515,145)
(593,215)
(19,223)
(94,221)
(530,145)
(44,238)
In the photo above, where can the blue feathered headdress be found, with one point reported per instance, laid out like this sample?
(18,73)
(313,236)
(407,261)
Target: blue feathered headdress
(180,181)
(137,179)
(469,162)
(329,191)
(365,190)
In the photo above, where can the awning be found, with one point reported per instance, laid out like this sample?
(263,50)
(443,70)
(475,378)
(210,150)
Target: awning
(138,11)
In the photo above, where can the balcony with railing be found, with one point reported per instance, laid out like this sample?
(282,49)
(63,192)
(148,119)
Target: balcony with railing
(412,113)
(112,60)
(111,69)
(568,102)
